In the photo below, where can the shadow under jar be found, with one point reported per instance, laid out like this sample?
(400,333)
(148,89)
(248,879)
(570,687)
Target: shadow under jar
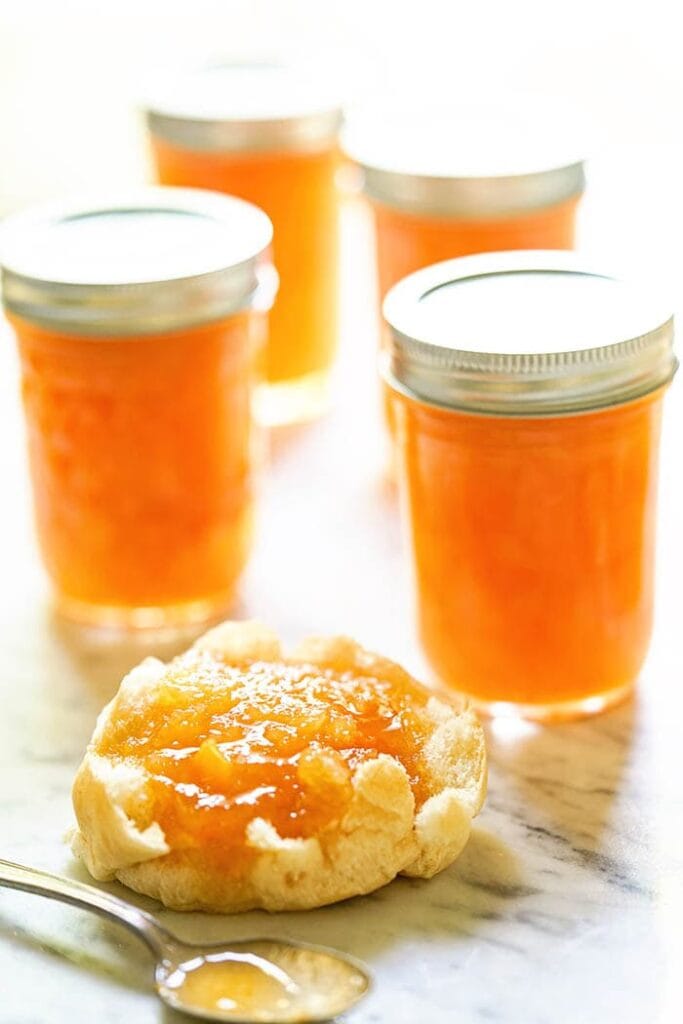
(527,392)
(268,134)
(138,319)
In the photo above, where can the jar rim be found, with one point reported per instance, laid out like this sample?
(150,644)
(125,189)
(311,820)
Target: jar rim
(141,261)
(464,198)
(269,106)
(521,378)
(479,160)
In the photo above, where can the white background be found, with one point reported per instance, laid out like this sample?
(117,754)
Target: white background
(70,70)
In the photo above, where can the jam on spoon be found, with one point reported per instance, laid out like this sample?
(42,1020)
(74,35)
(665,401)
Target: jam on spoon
(259,981)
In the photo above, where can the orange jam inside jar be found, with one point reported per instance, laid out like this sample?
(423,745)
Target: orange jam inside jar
(407,241)
(138,324)
(457,180)
(225,744)
(267,134)
(527,392)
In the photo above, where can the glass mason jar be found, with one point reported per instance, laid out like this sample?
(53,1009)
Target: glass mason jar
(527,393)
(267,134)
(138,320)
(461,180)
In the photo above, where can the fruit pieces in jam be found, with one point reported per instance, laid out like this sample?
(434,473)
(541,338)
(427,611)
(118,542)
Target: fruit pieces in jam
(224,744)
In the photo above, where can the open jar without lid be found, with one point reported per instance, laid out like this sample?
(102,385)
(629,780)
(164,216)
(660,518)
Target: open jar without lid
(138,317)
(267,133)
(527,393)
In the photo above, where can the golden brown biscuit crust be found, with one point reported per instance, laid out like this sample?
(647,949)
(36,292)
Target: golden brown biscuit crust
(380,835)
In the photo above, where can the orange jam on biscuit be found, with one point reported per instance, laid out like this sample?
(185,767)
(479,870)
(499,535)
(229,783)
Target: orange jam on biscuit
(223,745)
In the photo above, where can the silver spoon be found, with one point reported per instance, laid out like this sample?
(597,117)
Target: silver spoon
(267,981)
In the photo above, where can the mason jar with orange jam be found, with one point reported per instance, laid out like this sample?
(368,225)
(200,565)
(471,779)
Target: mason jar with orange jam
(527,391)
(268,134)
(458,180)
(138,319)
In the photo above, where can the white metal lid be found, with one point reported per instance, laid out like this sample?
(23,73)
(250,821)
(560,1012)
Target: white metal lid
(151,260)
(241,107)
(475,161)
(525,333)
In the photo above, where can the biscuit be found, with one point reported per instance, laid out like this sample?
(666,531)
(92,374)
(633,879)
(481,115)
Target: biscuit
(373,776)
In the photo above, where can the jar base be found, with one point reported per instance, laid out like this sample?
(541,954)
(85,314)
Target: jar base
(561,711)
(137,619)
(293,401)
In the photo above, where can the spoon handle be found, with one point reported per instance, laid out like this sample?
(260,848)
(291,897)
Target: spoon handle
(16,876)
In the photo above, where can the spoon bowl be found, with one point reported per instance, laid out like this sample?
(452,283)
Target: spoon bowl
(255,981)
(260,980)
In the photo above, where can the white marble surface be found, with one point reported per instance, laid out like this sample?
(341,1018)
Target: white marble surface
(566,906)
